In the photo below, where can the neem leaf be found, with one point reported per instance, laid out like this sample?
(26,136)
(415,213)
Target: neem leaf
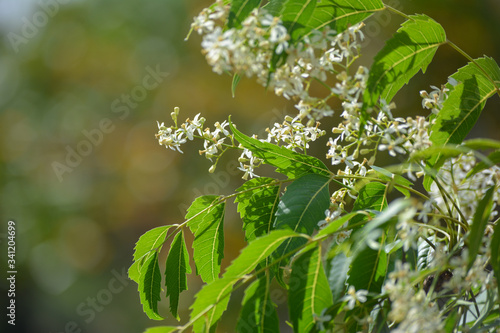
(301,208)
(150,286)
(479,223)
(257,202)
(161,329)
(289,163)
(410,49)
(150,241)
(464,104)
(176,268)
(208,244)
(309,293)
(240,9)
(258,312)
(340,14)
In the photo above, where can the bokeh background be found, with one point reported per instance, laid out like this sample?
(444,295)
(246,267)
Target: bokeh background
(73,78)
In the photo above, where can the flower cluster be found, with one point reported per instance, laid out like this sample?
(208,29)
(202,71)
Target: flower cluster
(253,48)
(463,189)
(411,311)
(292,134)
(213,141)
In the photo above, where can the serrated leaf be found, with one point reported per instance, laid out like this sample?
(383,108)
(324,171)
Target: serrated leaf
(479,223)
(134,271)
(464,104)
(301,208)
(257,202)
(150,286)
(368,269)
(372,196)
(199,210)
(410,49)
(258,312)
(296,15)
(339,268)
(289,163)
(176,268)
(208,244)
(150,241)
(161,329)
(341,14)
(210,303)
(211,300)
(257,251)
(240,9)
(308,293)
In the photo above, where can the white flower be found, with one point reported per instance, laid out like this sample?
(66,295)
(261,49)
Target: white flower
(354,297)
(392,145)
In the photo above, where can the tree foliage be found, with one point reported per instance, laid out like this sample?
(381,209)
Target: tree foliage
(363,248)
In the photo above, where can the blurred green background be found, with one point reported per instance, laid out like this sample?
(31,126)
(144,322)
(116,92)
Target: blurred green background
(82,84)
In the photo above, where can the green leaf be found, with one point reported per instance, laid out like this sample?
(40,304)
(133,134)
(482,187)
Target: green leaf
(464,104)
(339,269)
(275,7)
(240,9)
(161,329)
(289,163)
(369,263)
(134,271)
(210,303)
(176,268)
(150,286)
(257,202)
(341,14)
(333,226)
(410,49)
(309,293)
(211,300)
(257,251)
(301,208)
(199,210)
(479,223)
(482,144)
(296,15)
(492,159)
(234,84)
(151,240)
(368,269)
(446,151)
(395,179)
(372,196)
(258,312)
(495,253)
(208,244)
